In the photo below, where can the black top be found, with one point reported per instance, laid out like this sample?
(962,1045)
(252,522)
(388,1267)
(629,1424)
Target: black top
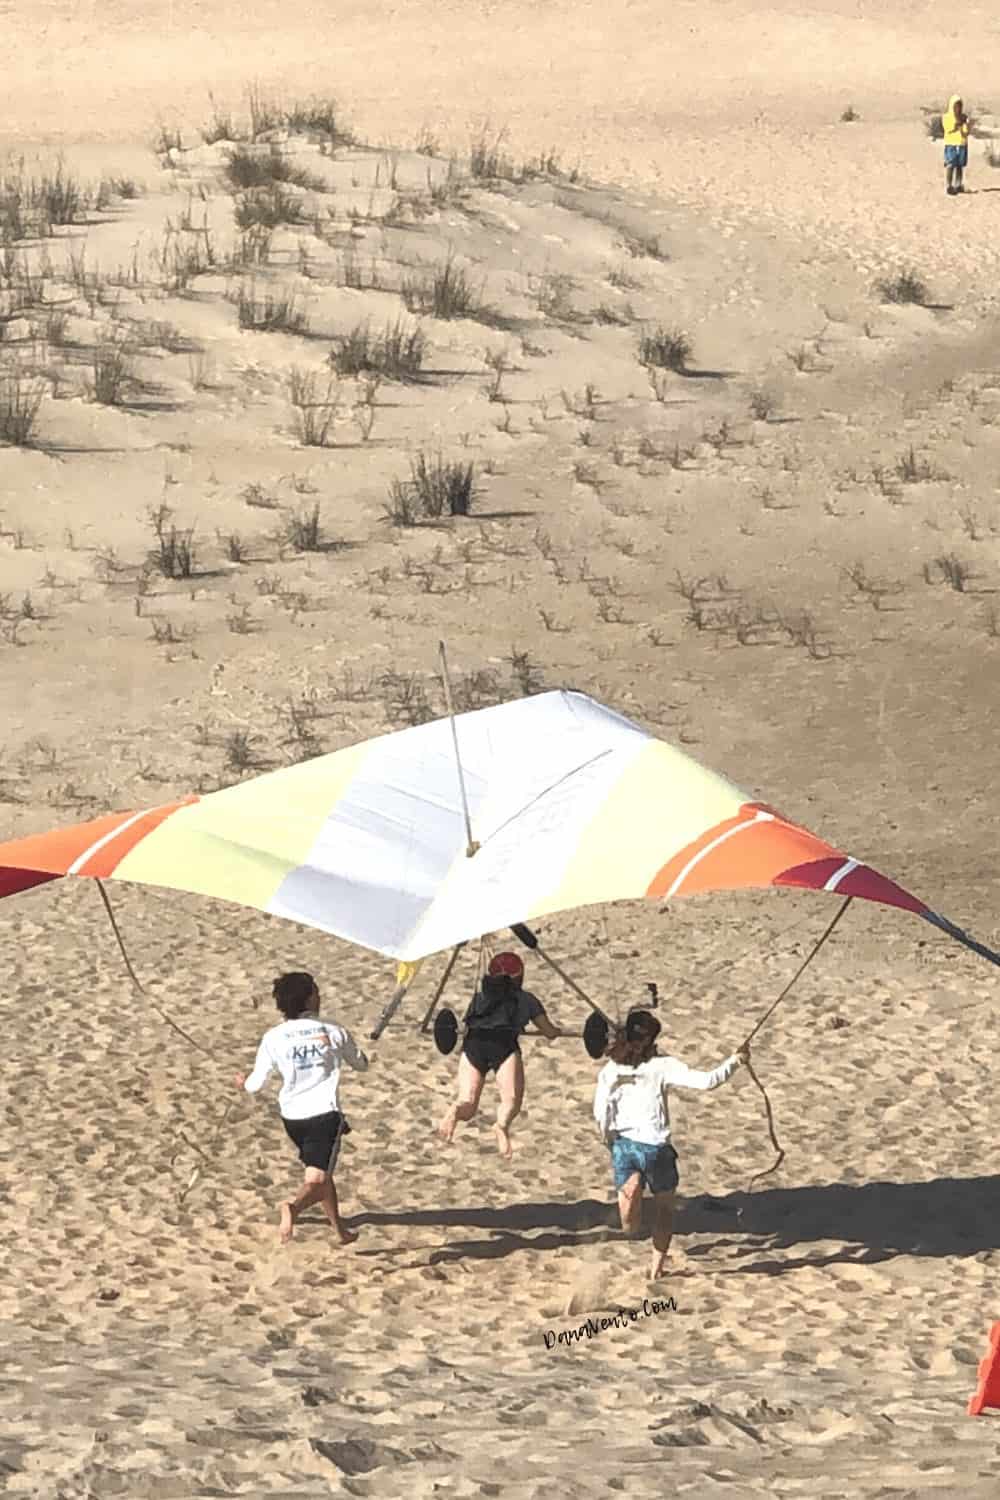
(502,1007)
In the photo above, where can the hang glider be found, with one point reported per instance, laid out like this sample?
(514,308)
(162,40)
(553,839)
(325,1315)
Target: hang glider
(571,804)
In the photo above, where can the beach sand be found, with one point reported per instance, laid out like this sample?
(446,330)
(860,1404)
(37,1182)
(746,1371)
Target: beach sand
(783,559)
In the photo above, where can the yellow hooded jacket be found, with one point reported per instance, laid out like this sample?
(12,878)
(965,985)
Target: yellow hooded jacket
(956,132)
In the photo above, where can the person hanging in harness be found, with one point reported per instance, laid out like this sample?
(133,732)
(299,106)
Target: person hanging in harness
(501,1009)
(630,1107)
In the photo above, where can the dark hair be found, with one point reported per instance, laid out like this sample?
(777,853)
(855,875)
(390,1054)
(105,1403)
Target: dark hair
(635,1042)
(500,986)
(293,994)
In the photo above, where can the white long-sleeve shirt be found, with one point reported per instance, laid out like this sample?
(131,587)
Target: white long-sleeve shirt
(308,1054)
(633,1101)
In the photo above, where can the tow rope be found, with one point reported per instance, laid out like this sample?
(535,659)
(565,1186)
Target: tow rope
(778,1147)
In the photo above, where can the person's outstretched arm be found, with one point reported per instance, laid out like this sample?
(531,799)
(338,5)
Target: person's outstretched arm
(262,1069)
(678,1075)
(545,1026)
(349,1050)
(531,1010)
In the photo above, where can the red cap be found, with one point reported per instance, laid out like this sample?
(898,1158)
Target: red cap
(507,963)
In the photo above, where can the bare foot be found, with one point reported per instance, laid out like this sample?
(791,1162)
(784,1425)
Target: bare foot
(503,1143)
(447,1127)
(287,1228)
(346,1236)
(659,1268)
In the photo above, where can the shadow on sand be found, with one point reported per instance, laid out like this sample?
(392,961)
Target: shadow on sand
(947,1216)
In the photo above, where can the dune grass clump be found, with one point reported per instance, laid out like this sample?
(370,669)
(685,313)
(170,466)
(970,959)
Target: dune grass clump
(763,404)
(614,317)
(443,291)
(317,117)
(488,162)
(33,205)
(272,312)
(643,246)
(265,113)
(113,373)
(553,295)
(241,752)
(949,569)
(396,354)
(436,487)
(320,117)
(222,126)
(183,255)
(168,138)
(61,197)
(315,410)
(21,397)
(902,289)
(665,349)
(253,247)
(914,470)
(934,126)
(304,530)
(247,168)
(14,221)
(173,556)
(125,188)
(266,208)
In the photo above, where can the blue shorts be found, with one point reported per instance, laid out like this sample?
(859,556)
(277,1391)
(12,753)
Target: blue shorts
(956,156)
(656,1165)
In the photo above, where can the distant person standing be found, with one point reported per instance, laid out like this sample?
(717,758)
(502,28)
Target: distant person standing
(956,125)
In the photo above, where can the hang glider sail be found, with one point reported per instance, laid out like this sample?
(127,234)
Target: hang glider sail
(571,805)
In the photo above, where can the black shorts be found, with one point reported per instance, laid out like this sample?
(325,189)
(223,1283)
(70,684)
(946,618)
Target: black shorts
(318,1138)
(487,1048)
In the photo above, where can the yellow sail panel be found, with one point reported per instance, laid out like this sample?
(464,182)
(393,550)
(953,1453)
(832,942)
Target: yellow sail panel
(663,801)
(240,844)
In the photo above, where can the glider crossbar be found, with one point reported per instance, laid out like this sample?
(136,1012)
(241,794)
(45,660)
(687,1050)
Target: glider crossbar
(566,979)
(527,937)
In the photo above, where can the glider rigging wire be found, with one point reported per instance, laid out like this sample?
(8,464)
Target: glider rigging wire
(471,847)
(779,1148)
(201,1151)
(135,979)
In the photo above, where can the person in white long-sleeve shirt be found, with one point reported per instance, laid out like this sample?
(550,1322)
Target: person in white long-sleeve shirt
(308,1054)
(630,1107)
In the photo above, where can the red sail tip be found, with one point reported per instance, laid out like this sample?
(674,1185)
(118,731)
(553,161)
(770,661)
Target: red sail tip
(845,878)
